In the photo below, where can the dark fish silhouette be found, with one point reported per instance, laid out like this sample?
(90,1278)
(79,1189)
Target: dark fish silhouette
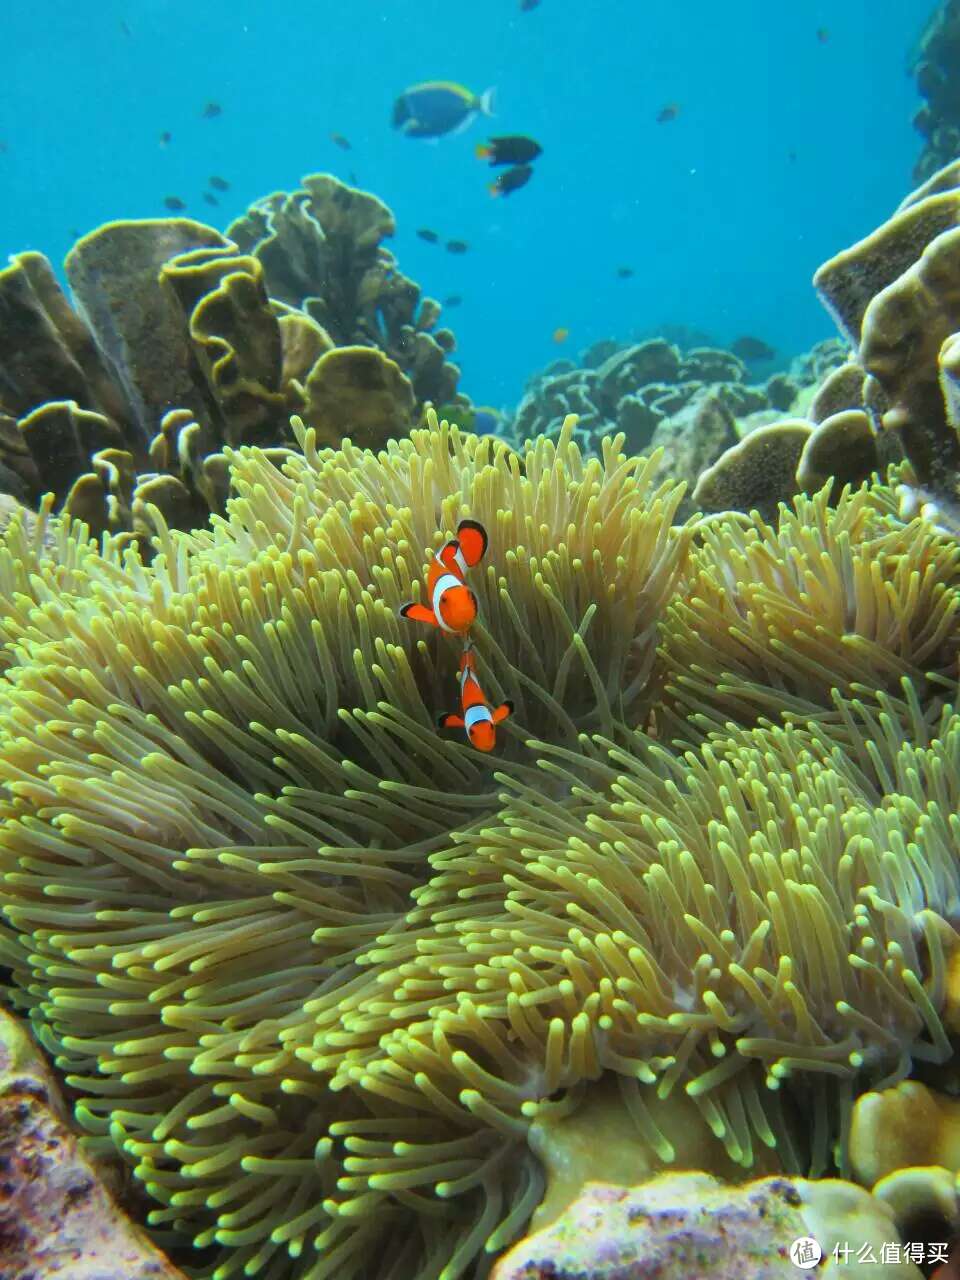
(624,273)
(219,184)
(210,198)
(125,28)
(527,5)
(668,113)
(511,180)
(425,233)
(823,35)
(166,138)
(748,348)
(174,203)
(342,142)
(211,111)
(513,148)
(457,246)
(453,301)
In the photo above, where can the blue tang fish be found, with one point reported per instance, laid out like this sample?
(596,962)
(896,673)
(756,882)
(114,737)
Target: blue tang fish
(430,110)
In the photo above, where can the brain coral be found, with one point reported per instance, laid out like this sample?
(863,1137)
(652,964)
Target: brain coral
(315,971)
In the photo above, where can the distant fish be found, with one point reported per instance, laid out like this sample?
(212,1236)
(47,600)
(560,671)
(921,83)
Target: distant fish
(210,198)
(219,184)
(166,138)
(453,301)
(823,35)
(125,28)
(457,246)
(342,142)
(513,148)
(511,180)
(527,5)
(3,148)
(668,113)
(748,348)
(425,233)
(211,111)
(174,203)
(74,233)
(792,157)
(560,335)
(624,273)
(438,107)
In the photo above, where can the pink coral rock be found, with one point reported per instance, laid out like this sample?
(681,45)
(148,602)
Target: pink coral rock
(57,1220)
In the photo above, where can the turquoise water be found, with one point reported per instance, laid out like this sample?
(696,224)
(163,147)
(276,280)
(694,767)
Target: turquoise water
(786,147)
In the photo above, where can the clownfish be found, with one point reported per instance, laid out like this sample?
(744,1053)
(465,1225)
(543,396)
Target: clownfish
(453,606)
(479,719)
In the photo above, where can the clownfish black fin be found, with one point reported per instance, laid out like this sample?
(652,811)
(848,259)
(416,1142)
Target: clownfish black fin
(473,540)
(418,613)
(500,714)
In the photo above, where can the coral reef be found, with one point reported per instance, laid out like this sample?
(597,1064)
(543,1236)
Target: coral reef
(57,1218)
(322,252)
(691,1225)
(895,295)
(182,343)
(935,67)
(326,982)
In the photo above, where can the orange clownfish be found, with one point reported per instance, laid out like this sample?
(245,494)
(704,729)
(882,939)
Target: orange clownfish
(479,719)
(453,606)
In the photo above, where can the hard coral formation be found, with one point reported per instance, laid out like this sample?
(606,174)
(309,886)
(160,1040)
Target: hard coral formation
(57,1218)
(692,1226)
(322,252)
(183,343)
(935,67)
(318,975)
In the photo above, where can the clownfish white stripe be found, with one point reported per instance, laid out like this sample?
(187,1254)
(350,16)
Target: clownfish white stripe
(443,583)
(461,563)
(476,715)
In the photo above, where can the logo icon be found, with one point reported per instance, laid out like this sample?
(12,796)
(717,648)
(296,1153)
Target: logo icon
(805,1253)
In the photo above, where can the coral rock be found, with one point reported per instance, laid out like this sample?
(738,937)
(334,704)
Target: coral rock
(57,1218)
(690,1226)
(360,393)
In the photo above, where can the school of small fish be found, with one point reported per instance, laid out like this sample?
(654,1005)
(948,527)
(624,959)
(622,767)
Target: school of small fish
(453,609)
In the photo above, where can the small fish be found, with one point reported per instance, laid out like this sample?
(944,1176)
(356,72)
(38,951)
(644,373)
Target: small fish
(219,184)
(748,348)
(792,157)
(438,107)
(668,113)
(560,335)
(425,233)
(211,110)
(174,203)
(512,148)
(210,198)
(125,28)
(4,148)
(166,138)
(453,606)
(74,233)
(457,246)
(823,35)
(453,301)
(527,5)
(479,719)
(511,180)
(624,273)
(342,142)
